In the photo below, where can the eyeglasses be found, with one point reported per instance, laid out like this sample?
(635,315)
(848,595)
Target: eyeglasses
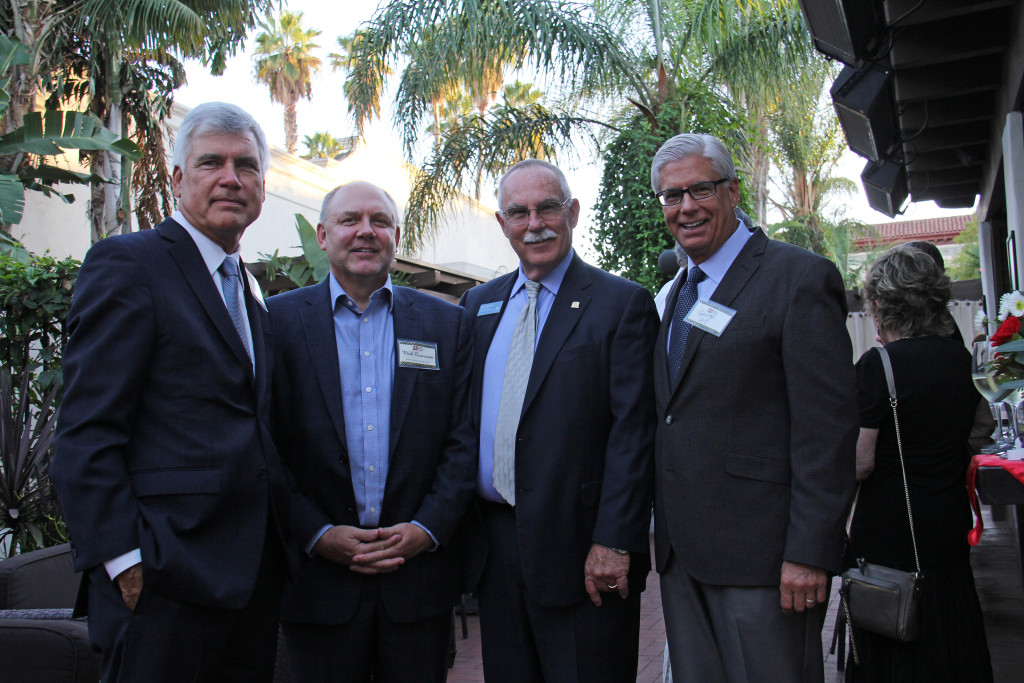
(698,191)
(546,211)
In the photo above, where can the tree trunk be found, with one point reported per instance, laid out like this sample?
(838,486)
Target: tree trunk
(291,127)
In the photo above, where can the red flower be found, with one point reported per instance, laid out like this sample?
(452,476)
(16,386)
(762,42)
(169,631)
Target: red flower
(1007,329)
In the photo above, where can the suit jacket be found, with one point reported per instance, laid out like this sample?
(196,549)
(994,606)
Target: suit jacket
(755,449)
(432,460)
(585,439)
(163,441)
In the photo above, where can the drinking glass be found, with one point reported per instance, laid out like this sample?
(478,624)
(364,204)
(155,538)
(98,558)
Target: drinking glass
(982,356)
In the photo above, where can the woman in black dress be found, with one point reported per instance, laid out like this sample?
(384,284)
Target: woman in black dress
(907,295)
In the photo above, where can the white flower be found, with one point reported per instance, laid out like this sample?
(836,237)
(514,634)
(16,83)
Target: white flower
(1011,303)
(980,321)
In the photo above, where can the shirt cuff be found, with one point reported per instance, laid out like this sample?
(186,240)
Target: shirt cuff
(122,562)
(436,544)
(316,537)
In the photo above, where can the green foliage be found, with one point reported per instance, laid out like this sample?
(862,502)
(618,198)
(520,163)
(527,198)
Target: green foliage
(323,145)
(29,514)
(308,269)
(46,134)
(630,229)
(36,295)
(966,265)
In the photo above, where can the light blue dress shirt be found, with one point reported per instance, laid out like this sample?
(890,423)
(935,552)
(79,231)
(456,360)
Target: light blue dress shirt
(366,357)
(494,367)
(716,267)
(366,360)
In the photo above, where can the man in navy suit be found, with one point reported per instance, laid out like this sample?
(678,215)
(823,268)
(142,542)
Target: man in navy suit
(757,422)
(164,462)
(563,398)
(371,416)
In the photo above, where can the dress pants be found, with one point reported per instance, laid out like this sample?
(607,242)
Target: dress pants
(370,646)
(525,642)
(737,634)
(170,640)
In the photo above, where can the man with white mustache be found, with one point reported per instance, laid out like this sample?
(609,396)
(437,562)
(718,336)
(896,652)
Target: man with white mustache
(562,396)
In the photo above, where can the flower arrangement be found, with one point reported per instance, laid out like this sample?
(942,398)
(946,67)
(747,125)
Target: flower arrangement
(1008,365)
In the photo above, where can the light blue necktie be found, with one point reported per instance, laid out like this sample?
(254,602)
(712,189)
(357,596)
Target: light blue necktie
(681,328)
(517,374)
(231,283)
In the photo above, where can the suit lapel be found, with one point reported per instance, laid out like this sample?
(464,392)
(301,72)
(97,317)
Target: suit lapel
(566,312)
(259,325)
(318,328)
(407,326)
(736,278)
(484,327)
(186,255)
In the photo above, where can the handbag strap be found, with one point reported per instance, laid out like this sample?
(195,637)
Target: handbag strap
(887,366)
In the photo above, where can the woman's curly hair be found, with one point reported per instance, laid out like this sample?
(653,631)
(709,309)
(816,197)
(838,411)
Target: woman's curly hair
(906,292)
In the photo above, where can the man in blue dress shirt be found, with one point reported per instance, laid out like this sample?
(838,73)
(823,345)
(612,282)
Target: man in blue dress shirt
(562,387)
(371,417)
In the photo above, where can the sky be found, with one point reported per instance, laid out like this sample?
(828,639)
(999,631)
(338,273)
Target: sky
(327,111)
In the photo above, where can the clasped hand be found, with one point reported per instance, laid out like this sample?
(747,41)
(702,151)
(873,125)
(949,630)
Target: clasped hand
(372,551)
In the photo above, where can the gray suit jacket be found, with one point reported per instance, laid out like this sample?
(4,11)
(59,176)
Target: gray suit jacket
(755,459)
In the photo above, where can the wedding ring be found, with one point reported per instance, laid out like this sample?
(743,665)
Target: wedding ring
(612,585)
(809,602)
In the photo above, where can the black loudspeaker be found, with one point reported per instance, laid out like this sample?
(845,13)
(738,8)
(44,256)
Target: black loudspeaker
(842,29)
(862,102)
(885,184)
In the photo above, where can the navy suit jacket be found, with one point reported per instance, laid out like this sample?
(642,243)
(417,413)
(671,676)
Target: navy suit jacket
(432,462)
(584,450)
(755,447)
(163,440)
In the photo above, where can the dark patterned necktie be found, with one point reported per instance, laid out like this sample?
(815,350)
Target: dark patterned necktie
(681,328)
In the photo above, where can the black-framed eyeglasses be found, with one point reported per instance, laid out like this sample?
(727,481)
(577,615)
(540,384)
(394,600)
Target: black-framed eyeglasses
(698,191)
(546,211)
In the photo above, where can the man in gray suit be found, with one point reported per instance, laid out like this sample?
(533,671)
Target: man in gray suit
(757,424)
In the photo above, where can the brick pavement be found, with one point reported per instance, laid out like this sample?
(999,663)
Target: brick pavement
(997,570)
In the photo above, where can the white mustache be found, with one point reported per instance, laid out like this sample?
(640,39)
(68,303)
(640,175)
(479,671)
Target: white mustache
(539,236)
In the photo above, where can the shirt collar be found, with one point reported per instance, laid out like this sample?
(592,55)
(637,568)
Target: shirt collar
(386,291)
(552,281)
(213,254)
(718,263)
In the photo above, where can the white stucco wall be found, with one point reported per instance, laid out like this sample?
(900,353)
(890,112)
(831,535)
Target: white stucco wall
(469,240)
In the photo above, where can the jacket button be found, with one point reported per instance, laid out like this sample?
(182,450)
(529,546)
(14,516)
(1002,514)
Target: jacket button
(668,419)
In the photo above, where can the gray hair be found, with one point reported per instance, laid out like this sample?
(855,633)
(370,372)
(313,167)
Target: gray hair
(326,204)
(907,294)
(218,118)
(687,145)
(563,184)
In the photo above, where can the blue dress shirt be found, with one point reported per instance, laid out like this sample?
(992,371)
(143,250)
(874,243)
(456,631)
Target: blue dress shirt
(494,367)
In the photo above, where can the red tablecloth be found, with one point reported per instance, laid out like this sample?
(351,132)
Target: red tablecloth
(1014,467)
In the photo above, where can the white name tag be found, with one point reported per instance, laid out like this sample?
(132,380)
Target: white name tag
(710,316)
(254,289)
(417,354)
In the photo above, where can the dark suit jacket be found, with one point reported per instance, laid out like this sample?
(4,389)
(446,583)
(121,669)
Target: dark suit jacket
(163,441)
(432,465)
(585,439)
(755,447)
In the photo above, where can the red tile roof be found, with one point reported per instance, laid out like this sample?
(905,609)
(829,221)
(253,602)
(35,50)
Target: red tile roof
(934,230)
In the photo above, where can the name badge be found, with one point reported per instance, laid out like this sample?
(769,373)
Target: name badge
(417,354)
(710,316)
(254,289)
(489,309)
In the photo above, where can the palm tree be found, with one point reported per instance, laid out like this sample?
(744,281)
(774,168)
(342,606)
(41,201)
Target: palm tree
(285,63)
(323,145)
(453,46)
(121,58)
